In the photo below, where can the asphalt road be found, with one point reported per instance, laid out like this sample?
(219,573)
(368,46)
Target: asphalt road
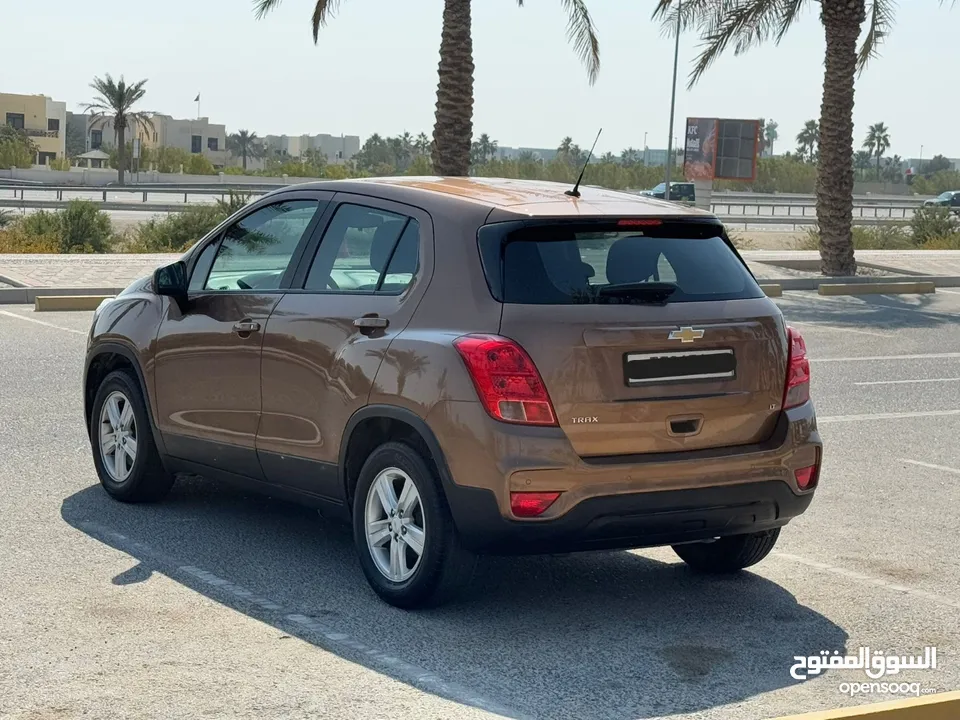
(218,604)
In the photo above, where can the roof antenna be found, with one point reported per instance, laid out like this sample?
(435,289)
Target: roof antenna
(576,188)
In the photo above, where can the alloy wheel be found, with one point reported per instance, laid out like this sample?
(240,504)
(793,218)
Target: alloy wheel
(118,436)
(394,524)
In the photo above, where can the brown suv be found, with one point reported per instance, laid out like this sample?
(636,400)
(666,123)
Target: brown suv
(464,366)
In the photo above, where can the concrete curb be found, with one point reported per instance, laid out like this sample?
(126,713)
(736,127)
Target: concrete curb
(887,288)
(64,303)
(28,295)
(772,289)
(942,706)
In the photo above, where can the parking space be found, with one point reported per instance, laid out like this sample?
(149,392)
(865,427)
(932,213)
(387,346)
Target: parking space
(223,604)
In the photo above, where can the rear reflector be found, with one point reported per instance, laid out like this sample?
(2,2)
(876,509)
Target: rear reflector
(507,381)
(806,477)
(796,389)
(639,222)
(531,504)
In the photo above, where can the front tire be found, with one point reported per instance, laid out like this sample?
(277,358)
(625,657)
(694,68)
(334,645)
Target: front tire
(124,453)
(728,554)
(408,545)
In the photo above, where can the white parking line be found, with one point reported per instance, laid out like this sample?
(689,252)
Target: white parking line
(836,328)
(948,292)
(41,322)
(869,579)
(907,382)
(863,358)
(324,636)
(931,466)
(885,416)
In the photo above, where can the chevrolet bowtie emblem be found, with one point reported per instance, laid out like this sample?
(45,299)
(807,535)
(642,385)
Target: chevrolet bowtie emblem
(685,335)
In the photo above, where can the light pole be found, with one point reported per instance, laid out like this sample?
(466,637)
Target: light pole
(673,102)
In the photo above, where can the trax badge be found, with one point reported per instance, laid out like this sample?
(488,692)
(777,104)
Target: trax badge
(587,419)
(685,335)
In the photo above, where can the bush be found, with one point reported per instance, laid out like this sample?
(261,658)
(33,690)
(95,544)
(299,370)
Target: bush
(937,183)
(178,231)
(61,163)
(16,240)
(78,228)
(933,223)
(6,218)
(84,228)
(199,165)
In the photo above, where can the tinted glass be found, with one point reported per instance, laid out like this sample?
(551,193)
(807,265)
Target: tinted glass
(359,245)
(256,251)
(564,265)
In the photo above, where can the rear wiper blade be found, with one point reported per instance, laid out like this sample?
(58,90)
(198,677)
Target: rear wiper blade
(642,291)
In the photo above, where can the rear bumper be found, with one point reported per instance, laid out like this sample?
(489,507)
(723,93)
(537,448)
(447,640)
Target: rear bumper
(620,502)
(632,521)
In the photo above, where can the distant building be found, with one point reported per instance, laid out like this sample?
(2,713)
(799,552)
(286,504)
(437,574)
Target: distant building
(43,119)
(336,148)
(514,153)
(198,136)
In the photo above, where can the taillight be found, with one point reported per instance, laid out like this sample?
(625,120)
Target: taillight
(531,504)
(808,477)
(796,390)
(507,381)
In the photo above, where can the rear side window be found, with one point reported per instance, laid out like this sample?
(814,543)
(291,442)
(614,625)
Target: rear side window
(578,264)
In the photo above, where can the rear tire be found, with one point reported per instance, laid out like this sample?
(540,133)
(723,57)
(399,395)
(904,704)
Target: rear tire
(409,579)
(138,476)
(728,554)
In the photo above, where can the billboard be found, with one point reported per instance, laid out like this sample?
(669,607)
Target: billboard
(721,149)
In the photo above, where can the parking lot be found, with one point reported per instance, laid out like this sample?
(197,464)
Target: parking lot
(219,604)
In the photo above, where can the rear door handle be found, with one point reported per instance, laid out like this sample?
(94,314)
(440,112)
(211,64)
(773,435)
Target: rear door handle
(370,322)
(246,326)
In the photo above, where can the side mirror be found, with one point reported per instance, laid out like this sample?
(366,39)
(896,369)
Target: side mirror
(171,280)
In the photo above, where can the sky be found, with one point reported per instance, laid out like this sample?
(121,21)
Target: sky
(374,70)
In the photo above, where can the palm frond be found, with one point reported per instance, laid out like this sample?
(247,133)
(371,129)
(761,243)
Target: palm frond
(262,7)
(323,11)
(583,34)
(722,23)
(881,20)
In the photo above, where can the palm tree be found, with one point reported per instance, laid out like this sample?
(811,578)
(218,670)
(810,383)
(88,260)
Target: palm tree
(247,144)
(453,128)
(808,138)
(745,23)
(770,134)
(877,142)
(113,104)
(862,160)
(422,144)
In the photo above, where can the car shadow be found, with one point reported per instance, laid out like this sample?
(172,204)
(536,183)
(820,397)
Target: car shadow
(596,635)
(881,312)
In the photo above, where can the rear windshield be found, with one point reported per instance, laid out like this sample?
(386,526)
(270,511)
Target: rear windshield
(567,264)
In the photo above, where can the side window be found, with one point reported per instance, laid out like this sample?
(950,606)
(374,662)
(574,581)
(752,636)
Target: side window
(201,268)
(366,250)
(256,251)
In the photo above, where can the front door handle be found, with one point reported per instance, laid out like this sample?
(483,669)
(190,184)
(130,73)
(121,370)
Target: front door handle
(371,322)
(246,326)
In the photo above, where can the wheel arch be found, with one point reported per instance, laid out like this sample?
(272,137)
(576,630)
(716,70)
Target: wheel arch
(373,425)
(104,358)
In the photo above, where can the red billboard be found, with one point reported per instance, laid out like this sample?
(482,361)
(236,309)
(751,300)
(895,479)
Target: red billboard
(721,149)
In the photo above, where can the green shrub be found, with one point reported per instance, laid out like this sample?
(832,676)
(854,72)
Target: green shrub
(234,171)
(84,228)
(16,149)
(937,183)
(80,227)
(948,242)
(178,231)
(60,163)
(199,165)
(6,218)
(931,223)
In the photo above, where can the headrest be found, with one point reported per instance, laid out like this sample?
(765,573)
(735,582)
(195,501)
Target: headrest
(632,259)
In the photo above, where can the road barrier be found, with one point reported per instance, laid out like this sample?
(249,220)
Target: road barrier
(877,288)
(63,303)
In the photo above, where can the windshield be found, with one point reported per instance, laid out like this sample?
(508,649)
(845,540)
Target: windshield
(660,188)
(564,264)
